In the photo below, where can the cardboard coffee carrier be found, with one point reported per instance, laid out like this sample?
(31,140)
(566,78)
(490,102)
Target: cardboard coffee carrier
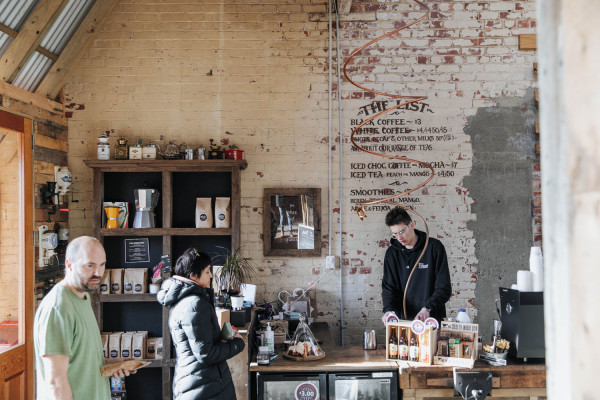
(223,212)
(116,281)
(126,344)
(105,282)
(204,214)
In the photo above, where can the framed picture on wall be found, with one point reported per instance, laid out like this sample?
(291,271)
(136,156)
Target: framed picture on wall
(292,222)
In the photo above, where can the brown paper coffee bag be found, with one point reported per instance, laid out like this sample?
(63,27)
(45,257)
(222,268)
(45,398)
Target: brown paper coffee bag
(114,345)
(126,344)
(116,281)
(105,282)
(222,212)
(204,215)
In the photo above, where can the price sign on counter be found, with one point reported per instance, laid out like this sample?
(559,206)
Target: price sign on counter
(307,391)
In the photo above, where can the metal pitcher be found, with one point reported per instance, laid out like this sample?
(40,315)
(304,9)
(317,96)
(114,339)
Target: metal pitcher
(145,202)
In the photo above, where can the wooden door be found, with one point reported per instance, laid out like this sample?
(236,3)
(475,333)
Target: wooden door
(16,362)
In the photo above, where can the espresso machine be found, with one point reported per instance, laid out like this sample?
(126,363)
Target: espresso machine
(146,201)
(522,316)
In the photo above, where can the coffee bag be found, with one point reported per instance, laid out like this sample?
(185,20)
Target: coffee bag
(116,281)
(223,212)
(126,344)
(204,215)
(138,345)
(105,282)
(154,348)
(104,337)
(135,280)
(114,345)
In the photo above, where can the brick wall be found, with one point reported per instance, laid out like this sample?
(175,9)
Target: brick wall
(255,74)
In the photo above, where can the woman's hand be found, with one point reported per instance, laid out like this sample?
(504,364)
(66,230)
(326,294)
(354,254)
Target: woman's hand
(237,335)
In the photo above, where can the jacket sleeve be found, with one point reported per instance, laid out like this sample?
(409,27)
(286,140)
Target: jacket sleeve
(443,287)
(198,329)
(392,293)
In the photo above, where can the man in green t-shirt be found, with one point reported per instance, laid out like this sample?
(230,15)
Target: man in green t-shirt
(67,340)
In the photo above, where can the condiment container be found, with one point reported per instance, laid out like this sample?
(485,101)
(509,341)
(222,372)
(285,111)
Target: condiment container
(262,358)
(463,317)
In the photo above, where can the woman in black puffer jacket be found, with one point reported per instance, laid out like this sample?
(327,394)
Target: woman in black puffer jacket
(201,372)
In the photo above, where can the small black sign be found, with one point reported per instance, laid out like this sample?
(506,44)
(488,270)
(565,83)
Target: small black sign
(137,250)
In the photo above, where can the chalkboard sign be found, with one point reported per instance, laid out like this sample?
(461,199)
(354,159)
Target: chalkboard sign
(306,237)
(137,250)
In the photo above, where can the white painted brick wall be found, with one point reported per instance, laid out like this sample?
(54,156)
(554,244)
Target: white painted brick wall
(258,71)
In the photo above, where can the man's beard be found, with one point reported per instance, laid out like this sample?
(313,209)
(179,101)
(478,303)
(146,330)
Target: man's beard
(86,286)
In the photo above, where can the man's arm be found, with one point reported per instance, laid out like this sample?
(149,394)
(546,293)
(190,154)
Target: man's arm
(57,384)
(443,287)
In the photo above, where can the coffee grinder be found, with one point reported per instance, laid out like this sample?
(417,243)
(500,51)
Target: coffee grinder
(48,241)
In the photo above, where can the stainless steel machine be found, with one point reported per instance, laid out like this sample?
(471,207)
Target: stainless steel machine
(146,201)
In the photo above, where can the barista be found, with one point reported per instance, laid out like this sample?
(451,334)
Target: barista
(429,288)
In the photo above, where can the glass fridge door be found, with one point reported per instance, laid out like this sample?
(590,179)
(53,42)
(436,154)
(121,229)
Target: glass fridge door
(364,386)
(292,387)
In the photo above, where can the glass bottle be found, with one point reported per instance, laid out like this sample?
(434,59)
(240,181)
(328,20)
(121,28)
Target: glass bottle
(413,351)
(393,345)
(403,346)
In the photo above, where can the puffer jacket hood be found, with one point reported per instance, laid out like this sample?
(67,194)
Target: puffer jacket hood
(176,288)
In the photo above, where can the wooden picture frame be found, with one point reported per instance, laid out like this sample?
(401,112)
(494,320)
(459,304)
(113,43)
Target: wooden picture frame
(292,222)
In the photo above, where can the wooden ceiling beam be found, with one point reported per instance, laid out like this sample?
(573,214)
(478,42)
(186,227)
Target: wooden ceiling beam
(22,95)
(79,43)
(27,40)
(344,6)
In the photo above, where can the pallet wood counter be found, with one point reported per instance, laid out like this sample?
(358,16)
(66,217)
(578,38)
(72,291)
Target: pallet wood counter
(516,381)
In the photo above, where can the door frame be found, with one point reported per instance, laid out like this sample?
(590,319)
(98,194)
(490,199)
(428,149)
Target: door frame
(22,355)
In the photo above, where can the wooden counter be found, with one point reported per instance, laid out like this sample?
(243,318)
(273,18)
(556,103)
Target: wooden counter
(513,381)
(516,381)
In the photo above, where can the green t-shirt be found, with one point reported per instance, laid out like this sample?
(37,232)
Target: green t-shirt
(65,325)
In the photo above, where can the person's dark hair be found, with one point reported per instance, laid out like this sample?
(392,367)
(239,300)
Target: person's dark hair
(397,215)
(191,262)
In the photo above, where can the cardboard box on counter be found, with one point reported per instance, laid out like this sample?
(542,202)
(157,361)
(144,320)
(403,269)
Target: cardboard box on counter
(462,344)
(429,336)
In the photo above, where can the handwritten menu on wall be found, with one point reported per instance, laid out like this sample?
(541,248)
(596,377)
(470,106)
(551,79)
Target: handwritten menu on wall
(412,131)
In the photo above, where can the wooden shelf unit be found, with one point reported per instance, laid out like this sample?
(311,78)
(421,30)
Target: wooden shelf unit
(180,182)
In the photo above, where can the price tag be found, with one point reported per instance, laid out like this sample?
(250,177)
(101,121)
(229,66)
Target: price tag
(307,391)
(417,327)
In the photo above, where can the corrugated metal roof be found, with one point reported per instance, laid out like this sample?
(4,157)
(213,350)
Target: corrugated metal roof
(5,41)
(55,40)
(65,25)
(33,72)
(13,13)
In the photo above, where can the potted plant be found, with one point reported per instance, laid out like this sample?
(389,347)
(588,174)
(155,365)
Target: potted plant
(235,270)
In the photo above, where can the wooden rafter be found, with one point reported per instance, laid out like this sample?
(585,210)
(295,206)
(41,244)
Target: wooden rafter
(26,97)
(29,37)
(81,40)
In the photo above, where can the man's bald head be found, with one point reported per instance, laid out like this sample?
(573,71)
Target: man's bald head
(79,246)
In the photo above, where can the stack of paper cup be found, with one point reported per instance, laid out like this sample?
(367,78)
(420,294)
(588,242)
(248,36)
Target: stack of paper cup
(536,266)
(524,281)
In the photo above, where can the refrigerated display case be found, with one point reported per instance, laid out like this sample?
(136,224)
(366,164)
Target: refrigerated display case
(372,385)
(363,386)
(291,386)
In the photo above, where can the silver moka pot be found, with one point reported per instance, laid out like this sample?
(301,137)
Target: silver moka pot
(145,202)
